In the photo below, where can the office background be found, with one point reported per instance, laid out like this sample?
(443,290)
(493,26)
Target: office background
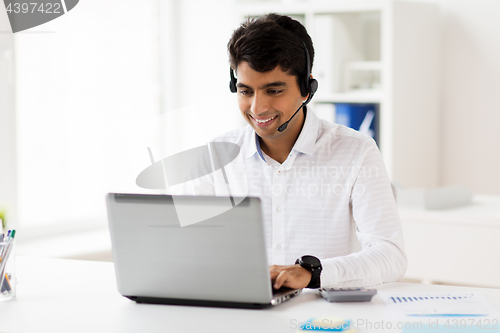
(83,96)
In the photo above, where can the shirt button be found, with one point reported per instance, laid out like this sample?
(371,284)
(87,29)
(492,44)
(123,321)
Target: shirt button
(278,247)
(278,173)
(278,209)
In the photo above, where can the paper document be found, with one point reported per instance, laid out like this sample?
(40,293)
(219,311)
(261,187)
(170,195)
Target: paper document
(401,304)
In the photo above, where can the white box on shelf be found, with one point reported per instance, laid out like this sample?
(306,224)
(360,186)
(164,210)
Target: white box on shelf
(363,75)
(325,62)
(434,199)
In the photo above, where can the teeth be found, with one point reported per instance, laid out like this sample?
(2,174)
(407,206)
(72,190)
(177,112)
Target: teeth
(265,120)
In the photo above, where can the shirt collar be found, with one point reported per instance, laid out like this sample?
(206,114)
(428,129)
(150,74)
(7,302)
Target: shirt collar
(252,144)
(305,142)
(308,135)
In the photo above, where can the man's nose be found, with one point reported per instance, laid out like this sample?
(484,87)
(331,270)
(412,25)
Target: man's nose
(260,104)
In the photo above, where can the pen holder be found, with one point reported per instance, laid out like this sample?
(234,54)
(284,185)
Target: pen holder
(7,270)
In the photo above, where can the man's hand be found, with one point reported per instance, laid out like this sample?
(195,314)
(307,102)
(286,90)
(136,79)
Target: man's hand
(293,276)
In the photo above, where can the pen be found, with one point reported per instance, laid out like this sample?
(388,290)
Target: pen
(5,251)
(4,283)
(6,287)
(5,256)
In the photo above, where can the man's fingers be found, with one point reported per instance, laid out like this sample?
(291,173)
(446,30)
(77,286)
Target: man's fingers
(281,279)
(292,276)
(274,270)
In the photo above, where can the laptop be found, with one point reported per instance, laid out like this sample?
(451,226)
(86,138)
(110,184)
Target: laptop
(191,250)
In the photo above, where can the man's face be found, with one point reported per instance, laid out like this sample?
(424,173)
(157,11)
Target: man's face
(267,100)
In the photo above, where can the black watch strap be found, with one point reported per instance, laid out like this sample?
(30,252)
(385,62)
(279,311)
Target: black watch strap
(313,265)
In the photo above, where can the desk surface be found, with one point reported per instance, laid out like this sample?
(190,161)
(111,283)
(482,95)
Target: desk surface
(57,295)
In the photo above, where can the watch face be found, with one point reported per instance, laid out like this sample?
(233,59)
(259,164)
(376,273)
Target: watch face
(310,260)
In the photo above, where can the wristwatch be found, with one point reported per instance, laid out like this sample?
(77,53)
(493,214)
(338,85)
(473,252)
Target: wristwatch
(313,265)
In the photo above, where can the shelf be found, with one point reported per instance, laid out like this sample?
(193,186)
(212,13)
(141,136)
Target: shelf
(364,65)
(291,7)
(362,96)
(368,51)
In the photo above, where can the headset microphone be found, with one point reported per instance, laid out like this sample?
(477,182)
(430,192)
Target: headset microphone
(285,124)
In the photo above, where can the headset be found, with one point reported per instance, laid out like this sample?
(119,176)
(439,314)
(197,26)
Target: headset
(307,86)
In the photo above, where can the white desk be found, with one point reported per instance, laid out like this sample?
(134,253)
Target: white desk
(458,245)
(57,295)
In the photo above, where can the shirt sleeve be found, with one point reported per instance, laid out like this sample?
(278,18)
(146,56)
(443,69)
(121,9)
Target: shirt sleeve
(373,209)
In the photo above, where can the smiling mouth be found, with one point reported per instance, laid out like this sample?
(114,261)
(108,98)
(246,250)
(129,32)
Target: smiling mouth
(264,121)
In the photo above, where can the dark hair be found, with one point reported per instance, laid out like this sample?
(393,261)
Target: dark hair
(269,41)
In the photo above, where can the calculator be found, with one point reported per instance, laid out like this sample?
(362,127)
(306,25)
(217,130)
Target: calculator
(347,294)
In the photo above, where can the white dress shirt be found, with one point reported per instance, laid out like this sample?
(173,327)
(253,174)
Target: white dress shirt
(331,198)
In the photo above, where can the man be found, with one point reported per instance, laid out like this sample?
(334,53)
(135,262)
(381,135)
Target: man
(329,213)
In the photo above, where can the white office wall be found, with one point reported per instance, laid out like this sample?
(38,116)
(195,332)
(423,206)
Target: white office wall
(199,104)
(470,94)
(101,84)
(8,166)
(85,81)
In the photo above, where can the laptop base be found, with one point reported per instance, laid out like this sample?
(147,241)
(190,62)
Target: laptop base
(194,302)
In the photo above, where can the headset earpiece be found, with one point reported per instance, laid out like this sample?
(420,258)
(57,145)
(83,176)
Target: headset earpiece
(232,82)
(310,84)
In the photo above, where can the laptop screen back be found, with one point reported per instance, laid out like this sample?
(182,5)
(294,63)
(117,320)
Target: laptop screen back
(222,258)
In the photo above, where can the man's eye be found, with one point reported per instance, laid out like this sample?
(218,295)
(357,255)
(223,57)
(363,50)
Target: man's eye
(245,92)
(274,92)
